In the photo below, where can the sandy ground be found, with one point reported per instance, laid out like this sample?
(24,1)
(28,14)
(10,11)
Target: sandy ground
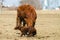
(47,26)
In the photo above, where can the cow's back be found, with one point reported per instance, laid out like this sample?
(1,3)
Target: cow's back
(26,11)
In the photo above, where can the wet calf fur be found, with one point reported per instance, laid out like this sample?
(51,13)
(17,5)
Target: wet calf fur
(29,31)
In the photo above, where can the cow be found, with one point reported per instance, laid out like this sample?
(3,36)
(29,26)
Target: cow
(27,15)
(29,31)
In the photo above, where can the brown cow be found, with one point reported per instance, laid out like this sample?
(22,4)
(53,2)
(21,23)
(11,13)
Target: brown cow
(27,15)
(29,31)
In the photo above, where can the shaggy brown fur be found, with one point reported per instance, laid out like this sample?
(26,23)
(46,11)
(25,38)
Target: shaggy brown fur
(27,15)
(29,31)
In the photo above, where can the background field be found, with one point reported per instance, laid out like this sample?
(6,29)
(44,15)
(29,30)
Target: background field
(47,25)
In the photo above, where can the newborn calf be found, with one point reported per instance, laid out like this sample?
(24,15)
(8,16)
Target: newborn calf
(29,31)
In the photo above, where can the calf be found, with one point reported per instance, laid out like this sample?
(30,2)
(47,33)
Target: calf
(29,31)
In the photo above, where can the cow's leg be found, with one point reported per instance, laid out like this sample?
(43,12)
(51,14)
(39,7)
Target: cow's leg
(33,24)
(24,23)
(18,22)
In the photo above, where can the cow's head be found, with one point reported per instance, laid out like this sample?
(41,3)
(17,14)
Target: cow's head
(29,22)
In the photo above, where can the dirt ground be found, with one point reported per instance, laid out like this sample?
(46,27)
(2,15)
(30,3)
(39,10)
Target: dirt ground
(47,25)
